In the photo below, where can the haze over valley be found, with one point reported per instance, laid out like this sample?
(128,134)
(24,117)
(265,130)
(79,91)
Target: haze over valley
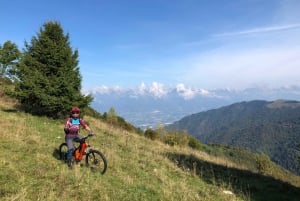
(151,105)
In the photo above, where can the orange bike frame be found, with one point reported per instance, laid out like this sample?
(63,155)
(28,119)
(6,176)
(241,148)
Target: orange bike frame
(80,151)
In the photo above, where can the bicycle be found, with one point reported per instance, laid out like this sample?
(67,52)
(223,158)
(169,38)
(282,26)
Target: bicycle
(93,158)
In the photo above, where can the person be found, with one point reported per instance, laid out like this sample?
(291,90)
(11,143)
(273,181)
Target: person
(72,128)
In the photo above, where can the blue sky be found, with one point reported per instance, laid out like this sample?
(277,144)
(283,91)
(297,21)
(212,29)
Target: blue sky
(207,44)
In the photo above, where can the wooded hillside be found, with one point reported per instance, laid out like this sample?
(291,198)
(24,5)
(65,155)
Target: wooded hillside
(266,127)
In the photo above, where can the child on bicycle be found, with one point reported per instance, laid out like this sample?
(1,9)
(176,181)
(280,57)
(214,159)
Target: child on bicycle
(71,129)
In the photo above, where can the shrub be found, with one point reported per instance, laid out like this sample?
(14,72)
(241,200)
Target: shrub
(149,133)
(263,164)
(176,138)
(194,143)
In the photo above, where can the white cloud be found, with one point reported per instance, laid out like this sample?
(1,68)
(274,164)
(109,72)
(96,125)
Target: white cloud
(186,93)
(142,89)
(189,93)
(103,89)
(260,30)
(98,89)
(157,89)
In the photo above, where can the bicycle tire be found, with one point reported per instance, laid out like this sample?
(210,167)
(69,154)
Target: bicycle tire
(63,151)
(96,161)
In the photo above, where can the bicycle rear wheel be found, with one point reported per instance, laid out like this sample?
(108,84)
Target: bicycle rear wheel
(63,151)
(96,161)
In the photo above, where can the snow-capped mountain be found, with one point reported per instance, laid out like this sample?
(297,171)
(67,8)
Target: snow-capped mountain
(150,105)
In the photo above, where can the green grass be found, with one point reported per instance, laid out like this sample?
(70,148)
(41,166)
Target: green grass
(138,168)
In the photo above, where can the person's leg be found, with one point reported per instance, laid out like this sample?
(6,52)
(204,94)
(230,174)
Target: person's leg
(70,144)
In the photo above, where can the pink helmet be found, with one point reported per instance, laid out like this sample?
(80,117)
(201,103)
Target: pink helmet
(75,109)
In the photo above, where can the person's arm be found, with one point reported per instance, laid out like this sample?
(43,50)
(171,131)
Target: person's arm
(86,127)
(90,130)
(67,126)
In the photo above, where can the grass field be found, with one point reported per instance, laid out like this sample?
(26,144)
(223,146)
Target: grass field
(138,168)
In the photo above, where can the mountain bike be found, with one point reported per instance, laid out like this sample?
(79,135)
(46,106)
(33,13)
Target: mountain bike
(94,159)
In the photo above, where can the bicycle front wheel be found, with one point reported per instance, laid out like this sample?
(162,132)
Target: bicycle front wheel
(63,151)
(96,161)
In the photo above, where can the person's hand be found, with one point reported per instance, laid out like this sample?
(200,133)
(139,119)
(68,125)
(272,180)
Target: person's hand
(66,130)
(91,133)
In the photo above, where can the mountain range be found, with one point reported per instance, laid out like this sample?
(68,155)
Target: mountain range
(154,104)
(269,127)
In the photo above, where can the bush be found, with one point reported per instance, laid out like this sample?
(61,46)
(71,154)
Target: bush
(263,164)
(153,135)
(176,138)
(194,143)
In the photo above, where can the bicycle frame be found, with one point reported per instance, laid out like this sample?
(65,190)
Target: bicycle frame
(94,159)
(80,151)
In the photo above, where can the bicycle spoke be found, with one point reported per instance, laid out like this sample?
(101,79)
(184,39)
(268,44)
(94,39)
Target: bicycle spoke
(96,161)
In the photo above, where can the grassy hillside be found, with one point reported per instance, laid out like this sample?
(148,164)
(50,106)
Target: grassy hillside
(138,168)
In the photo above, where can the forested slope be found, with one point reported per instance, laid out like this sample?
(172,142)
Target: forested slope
(272,128)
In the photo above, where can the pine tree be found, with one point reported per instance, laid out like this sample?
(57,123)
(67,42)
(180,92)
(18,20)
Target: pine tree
(9,56)
(49,75)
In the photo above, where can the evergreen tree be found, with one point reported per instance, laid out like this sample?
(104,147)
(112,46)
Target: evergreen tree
(9,56)
(49,77)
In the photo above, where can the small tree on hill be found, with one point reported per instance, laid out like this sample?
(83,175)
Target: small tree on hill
(9,56)
(49,77)
(263,164)
(153,135)
(112,116)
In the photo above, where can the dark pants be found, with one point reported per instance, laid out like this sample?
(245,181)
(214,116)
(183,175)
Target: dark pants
(70,143)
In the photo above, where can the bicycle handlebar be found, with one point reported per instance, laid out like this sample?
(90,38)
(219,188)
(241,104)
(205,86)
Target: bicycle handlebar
(83,138)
